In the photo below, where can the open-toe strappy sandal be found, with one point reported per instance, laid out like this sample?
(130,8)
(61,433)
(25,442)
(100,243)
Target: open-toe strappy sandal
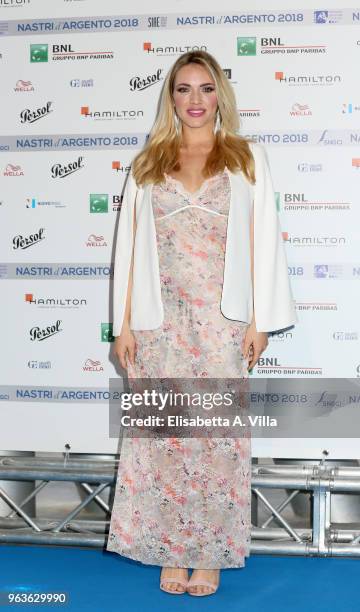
(211,585)
(182,581)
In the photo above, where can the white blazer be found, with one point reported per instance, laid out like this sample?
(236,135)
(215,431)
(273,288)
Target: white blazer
(272,298)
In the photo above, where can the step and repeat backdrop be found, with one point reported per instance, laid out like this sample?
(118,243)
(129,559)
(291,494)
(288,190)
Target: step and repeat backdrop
(80,83)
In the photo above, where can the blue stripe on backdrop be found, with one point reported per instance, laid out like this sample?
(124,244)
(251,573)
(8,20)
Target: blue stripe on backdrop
(101,581)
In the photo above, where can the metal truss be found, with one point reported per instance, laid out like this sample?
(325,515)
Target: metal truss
(321,481)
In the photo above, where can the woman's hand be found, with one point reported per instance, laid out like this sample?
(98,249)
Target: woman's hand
(124,345)
(254,344)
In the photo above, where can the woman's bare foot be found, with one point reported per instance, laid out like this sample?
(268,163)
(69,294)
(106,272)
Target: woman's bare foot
(208,575)
(173,573)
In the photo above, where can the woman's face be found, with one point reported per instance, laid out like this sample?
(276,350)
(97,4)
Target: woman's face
(194,96)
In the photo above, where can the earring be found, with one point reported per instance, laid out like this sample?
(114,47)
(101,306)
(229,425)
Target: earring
(217,124)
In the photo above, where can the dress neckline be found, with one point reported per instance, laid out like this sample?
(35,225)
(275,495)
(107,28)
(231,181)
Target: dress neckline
(199,190)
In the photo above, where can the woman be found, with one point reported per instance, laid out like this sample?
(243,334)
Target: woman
(200,277)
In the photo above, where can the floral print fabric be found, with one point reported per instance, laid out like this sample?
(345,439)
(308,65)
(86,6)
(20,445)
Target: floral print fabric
(186,502)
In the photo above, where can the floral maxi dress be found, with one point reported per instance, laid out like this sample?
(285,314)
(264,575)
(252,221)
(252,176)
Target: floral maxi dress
(186,502)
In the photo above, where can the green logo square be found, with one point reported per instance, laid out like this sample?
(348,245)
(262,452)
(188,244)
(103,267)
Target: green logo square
(38,53)
(246,45)
(106,332)
(99,202)
(277,200)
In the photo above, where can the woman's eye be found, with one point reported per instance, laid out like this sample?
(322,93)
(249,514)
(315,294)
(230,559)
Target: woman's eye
(207,89)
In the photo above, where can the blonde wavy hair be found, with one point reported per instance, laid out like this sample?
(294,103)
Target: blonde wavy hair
(161,151)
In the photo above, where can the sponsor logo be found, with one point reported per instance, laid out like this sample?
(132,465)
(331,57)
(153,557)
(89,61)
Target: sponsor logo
(116,165)
(314,306)
(34,203)
(30,116)
(300,110)
(65,52)
(39,53)
(157,21)
(249,112)
(275,46)
(322,17)
(328,271)
(307,167)
(273,365)
(345,336)
(308,80)
(329,141)
(314,241)
(297,201)
(95,240)
(106,332)
(51,302)
(36,333)
(39,365)
(24,242)
(138,84)
(64,170)
(350,108)
(99,202)
(116,202)
(13,170)
(111,115)
(228,74)
(82,83)
(246,45)
(171,49)
(23,86)
(289,371)
(92,365)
